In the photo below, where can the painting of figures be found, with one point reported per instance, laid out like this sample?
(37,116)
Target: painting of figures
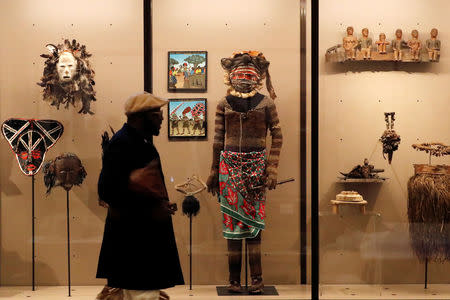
(187,118)
(187,71)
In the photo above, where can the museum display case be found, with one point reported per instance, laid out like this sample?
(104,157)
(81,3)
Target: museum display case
(383,206)
(65,85)
(304,144)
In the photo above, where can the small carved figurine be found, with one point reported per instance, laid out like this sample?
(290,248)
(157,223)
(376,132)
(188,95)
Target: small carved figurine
(365,171)
(350,43)
(390,138)
(398,44)
(382,43)
(415,45)
(365,42)
(433,46)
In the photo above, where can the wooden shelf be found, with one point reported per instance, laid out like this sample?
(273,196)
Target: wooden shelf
(361,180)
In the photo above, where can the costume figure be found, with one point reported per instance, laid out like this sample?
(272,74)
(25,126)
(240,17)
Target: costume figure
(350,43)
(65,170)
(433,46)
(139,254)
(68,76)
(415,45)
(381,44)
(365,42)
(397,45)
(241,162)
(30,140)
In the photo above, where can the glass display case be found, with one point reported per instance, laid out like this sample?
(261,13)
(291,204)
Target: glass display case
(304,143)
(389,238)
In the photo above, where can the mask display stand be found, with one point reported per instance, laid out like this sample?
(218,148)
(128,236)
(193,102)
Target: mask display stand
(68,245)
(190,252)
(33,288)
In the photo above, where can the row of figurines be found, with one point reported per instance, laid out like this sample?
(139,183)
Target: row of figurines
(364,43)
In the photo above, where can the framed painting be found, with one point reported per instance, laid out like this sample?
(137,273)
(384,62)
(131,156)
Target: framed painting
(187,118)
(187,71)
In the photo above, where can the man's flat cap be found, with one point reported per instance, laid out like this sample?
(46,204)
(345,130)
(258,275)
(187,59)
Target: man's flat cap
(143,102)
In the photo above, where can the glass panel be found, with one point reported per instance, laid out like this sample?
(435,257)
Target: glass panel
(383,229)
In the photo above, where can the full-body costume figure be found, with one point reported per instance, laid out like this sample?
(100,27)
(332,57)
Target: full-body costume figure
(241,164)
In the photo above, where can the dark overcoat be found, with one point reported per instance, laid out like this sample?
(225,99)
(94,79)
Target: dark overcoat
(138,250)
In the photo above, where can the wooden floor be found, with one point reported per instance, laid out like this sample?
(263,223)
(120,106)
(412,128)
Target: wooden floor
(205,292)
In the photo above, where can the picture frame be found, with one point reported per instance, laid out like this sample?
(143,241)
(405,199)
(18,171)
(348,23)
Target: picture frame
(187,119)
(187,71)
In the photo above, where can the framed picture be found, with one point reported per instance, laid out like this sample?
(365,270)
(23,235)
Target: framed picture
(187,118)
(187,71)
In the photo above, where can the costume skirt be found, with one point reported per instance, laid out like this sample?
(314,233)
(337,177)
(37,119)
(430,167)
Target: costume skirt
(242,193)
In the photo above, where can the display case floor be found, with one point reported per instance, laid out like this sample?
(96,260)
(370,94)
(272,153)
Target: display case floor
(204,292)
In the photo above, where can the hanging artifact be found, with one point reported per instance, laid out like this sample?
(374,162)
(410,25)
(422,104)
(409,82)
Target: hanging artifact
(365,171)
(68,77)
(30,140)
(390,139)
(429,206)
(65,170)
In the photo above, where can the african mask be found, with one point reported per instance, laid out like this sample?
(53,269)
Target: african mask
(65,170)
(30,140)
(244,72)
(66,67)
(68,77)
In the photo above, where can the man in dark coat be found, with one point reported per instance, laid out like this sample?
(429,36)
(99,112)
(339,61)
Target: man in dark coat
(138,254)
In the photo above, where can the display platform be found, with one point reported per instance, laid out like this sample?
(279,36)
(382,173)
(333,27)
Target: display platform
(291,292)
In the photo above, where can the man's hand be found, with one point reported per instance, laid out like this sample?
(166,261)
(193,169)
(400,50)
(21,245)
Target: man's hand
(148,180)
(103,203)
(170,207)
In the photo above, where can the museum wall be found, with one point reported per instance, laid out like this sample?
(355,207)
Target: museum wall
(353,98)
(112,30)
(113,33)
(222,28)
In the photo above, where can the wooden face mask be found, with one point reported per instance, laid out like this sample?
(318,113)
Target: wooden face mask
(30,140)
(65,170)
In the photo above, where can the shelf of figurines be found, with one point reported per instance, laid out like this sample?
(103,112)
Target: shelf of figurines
(364,50)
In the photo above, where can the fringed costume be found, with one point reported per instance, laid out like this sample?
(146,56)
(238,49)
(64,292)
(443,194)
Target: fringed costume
(242,168)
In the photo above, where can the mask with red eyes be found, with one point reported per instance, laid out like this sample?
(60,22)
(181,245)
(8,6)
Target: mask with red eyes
(244,72)
(244,79)
(30,140)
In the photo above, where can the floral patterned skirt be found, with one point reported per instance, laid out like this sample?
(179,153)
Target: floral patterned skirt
(242,202)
